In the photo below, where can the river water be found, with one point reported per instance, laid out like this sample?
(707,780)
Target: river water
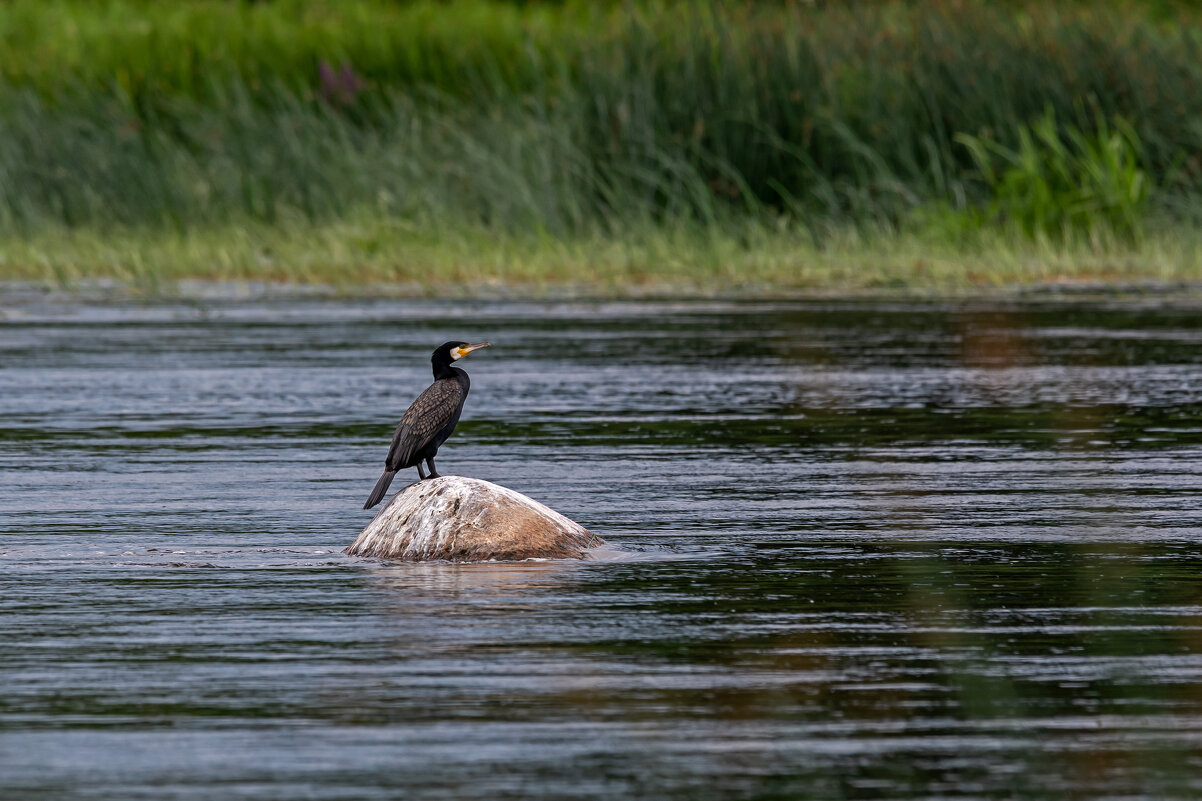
(856,550)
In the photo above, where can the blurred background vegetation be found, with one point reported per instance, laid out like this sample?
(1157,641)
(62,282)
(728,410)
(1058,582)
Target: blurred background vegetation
(711,144)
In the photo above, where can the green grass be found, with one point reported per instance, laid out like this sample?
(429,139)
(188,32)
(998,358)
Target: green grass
(1057,181)
(381,255)
(464,47)
(694,144)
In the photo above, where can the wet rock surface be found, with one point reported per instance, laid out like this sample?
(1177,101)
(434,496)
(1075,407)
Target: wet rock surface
(469,520)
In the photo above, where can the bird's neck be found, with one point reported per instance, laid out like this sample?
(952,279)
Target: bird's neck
(445,370)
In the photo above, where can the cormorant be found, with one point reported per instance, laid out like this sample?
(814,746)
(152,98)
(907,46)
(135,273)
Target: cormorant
(429,420)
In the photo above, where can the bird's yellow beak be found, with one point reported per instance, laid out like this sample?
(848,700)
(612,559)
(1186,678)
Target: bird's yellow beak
(459,353)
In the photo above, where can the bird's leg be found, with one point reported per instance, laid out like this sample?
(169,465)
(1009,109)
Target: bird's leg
(430,463)
(420,475)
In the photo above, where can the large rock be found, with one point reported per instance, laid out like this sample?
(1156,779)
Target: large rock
(469,520)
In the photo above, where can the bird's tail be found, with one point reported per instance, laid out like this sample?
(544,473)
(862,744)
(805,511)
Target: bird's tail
(381,487)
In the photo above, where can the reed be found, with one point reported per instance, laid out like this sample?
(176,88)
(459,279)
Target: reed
(574,123)
(1059,182)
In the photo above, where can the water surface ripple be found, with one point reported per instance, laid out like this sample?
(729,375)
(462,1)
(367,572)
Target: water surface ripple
(860,550)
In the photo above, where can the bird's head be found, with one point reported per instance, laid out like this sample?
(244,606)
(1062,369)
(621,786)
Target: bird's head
(449,352)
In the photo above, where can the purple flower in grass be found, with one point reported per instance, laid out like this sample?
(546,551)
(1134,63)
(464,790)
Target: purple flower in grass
(341,86)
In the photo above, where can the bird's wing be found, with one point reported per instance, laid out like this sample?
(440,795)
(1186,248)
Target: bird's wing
(425,417)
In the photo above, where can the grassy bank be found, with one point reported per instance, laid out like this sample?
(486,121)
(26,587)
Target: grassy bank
(385,256)
(698,144)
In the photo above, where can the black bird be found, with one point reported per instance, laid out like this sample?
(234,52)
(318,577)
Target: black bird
(429,420)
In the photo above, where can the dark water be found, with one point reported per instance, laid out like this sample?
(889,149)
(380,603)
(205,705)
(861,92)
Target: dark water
(859,551)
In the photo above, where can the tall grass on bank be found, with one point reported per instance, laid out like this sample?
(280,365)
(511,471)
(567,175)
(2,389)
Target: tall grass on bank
(1057,182)
(572,123)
